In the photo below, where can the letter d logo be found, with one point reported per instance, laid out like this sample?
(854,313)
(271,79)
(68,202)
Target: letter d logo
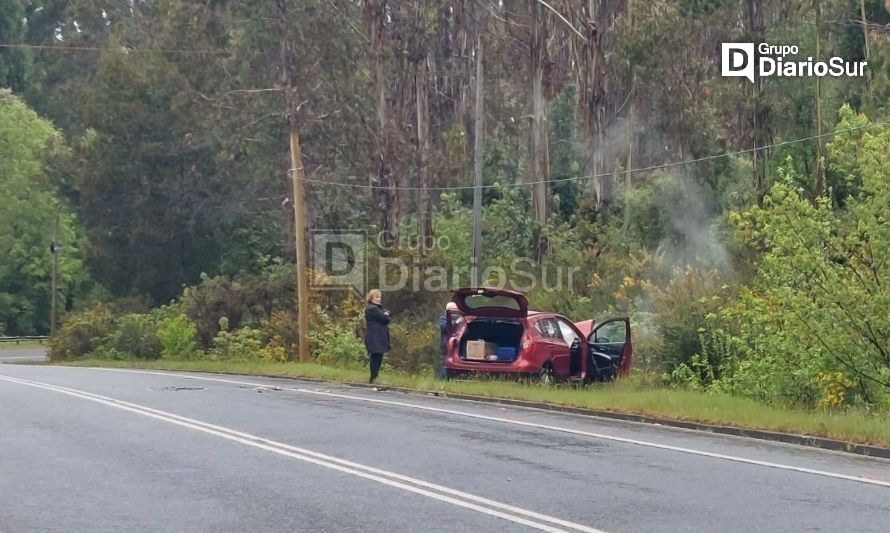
(737,59)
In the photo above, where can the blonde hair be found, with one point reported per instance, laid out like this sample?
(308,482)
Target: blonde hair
(374,293)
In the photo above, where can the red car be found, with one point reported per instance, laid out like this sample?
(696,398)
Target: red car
(499,335)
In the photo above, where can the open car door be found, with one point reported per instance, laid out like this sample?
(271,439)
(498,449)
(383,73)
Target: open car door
(611,347)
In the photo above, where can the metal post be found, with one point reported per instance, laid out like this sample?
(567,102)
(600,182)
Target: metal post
(54,248)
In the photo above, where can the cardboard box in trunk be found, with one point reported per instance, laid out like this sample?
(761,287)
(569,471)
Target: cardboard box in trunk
(480,350)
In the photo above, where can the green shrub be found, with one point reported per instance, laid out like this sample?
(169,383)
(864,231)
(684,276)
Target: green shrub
(81,333)
(339,344)
(245,300)
(281,330)
(244,343)
(814,327)
(415,346)
(414,340)
(681,308)
(177,336)
(135,335)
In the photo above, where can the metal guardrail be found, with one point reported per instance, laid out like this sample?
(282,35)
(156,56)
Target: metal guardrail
(18,340)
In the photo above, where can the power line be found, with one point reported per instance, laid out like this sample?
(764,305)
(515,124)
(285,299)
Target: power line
(605,174)
(851,22)
(125,49)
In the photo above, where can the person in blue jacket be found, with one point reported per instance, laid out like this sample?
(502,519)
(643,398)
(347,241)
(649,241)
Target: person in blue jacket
(448,322)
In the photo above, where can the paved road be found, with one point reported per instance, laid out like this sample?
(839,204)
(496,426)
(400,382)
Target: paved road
(106,450)
(13,354)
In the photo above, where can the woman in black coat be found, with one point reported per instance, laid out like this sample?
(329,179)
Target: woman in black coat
(376,331)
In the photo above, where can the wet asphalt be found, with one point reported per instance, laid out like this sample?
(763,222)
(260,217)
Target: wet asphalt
(72,463)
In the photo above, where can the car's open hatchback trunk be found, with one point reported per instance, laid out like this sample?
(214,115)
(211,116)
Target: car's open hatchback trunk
(505,333)
(490,302)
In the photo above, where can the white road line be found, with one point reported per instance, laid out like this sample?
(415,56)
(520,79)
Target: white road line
(608,437)
(185,376)
(691,451)
(417,486)
(35,357)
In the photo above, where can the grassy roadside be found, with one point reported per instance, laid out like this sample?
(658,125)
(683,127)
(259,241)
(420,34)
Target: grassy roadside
(852,426)
(23,344)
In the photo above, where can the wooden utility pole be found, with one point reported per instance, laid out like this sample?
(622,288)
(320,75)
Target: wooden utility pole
(296,175)
(296,158)
(477,165)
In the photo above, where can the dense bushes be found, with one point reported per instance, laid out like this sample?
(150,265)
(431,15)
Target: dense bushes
(802,317)
(243,300)
(415,346)
(133,335)
(813,328)
(177,336)
(101,332)
(340,345)
(681,307)
(82,333)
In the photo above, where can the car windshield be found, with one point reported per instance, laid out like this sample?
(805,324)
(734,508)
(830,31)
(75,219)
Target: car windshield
(612,332)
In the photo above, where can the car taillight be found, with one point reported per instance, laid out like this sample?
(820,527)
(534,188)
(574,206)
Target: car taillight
(526,341)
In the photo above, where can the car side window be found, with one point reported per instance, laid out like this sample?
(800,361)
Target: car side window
(568,333)
(612,332)
(548,328)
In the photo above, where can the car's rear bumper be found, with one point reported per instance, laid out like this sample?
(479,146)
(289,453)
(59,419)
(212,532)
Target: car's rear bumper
(519,366)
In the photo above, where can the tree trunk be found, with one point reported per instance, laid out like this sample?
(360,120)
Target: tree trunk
(478,147)
(590,68)
(820,180)
(628,177)
(540,168)
(865,27)
(865,46)
(756,31)
(421,83)
(630,144)
(374,14)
